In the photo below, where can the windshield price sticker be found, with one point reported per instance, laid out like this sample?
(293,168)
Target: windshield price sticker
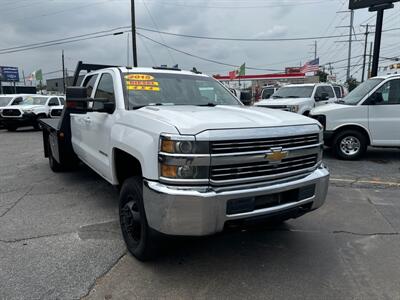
(143,88)
(139,77)
(144,83)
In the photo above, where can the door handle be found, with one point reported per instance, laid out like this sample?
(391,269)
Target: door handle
(87,120)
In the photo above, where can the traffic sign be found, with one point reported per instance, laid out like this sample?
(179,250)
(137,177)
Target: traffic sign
(357,4)
(9,74)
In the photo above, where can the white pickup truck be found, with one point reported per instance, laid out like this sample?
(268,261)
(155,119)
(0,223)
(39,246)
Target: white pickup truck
(187,163)
(300,98)
(27,113)
(368,116)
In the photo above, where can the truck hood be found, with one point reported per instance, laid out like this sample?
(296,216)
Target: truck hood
(320,110)
(283,101)
(195,119)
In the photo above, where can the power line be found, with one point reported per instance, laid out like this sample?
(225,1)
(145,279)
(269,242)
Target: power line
(254,39)
(203,58)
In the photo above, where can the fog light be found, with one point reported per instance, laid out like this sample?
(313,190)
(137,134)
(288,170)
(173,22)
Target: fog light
(187,172)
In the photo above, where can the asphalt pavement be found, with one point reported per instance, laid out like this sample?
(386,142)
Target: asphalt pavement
(60,238)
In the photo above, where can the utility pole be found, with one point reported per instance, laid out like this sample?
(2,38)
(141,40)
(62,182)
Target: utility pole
(378,35)
(330,68)
(63,70)
(315,49)
(23,75)
(370,60)
(350,41)
(127,49)
(134,49)
(365,51)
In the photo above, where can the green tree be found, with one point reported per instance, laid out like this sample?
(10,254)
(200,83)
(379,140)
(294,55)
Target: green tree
(323,77)
(352,83)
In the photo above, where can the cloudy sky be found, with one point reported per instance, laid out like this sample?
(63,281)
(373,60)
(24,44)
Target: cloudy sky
(31,21)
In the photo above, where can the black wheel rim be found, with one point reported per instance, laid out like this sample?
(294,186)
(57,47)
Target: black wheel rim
(130,220)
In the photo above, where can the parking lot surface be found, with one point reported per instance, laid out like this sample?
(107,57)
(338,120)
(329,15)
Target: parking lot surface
(60,238)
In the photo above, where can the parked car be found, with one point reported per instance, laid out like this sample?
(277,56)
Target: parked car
(186,165)
(29,111)
(300,98)
(340,91)
(368,116)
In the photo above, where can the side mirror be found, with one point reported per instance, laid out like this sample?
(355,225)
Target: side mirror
(76,99)
(376,98)
(103,106)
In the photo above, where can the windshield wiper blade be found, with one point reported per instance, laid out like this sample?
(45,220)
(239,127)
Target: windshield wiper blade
(210,104)
(276,97)
(292,96)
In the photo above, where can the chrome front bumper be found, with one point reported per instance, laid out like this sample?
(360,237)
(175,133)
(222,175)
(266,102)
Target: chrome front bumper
(203,211)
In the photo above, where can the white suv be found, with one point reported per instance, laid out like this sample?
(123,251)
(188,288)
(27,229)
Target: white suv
(28,111)
(368,116)
(300,98)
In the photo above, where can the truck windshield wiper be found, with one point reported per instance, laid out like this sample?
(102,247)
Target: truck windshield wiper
(276,97)
(210,104)
(152,104)
(293,96)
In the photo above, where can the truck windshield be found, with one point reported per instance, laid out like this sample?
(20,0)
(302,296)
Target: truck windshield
(294,92)
(29,100)
(361,91)
(4,101)
(175,89)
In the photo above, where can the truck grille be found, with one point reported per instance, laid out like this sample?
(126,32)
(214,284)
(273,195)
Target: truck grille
(283,107)
(223,147)
(11,112)
(56,112)
(263,170)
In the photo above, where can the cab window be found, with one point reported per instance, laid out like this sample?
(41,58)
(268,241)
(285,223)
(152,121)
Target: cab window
(62,100)
(53,102)
(390,92)
(89,84)
(105,88)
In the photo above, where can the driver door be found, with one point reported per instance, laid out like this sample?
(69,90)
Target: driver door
(78,124)
(98,127)
(384,116)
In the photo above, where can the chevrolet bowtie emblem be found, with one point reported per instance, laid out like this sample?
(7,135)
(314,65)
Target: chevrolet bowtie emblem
(276,155)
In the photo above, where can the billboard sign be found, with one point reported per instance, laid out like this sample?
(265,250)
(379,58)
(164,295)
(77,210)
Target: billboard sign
(9,74)
(357,4)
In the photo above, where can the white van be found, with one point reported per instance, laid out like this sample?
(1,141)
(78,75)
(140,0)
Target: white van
(368,116)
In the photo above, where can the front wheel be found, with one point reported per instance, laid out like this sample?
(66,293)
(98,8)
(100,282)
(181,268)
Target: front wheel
(140,239)
(350,144)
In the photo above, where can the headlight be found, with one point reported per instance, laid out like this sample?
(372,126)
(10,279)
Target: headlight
(293,108)
(183,160)
(182,145)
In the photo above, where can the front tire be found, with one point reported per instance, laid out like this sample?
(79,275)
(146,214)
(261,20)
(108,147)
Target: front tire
(140,239)
(350,145)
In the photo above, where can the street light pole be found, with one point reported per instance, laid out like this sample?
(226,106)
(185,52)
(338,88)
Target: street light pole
(134,50)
